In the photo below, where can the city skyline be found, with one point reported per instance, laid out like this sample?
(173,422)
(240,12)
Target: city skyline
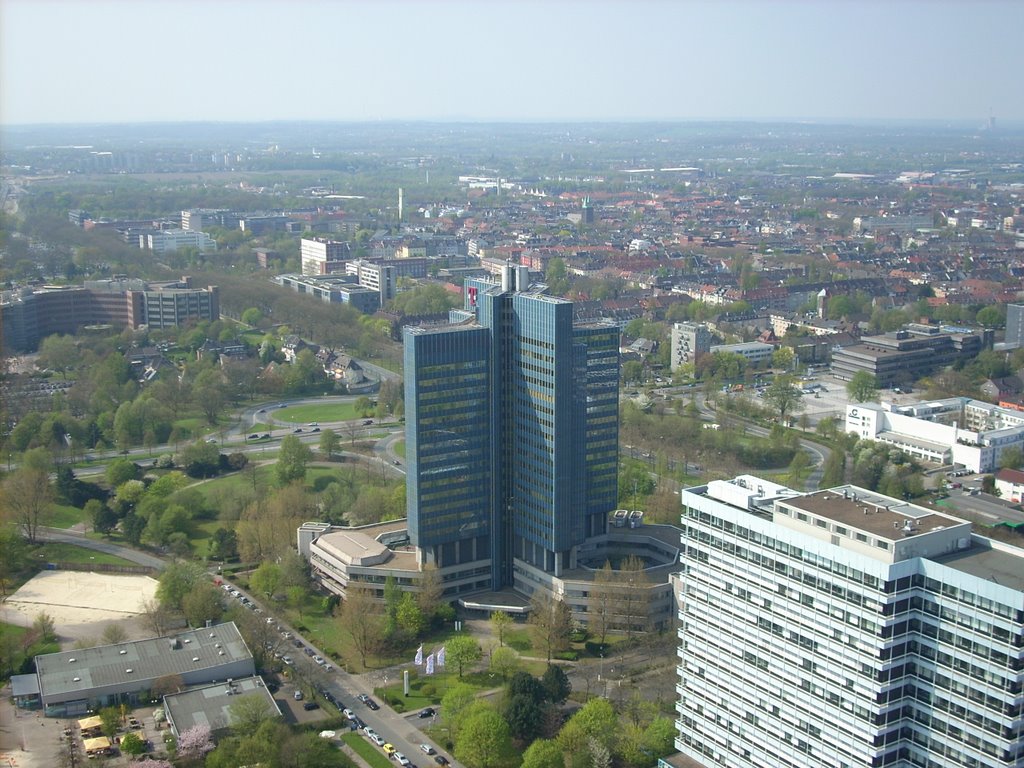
(835,61)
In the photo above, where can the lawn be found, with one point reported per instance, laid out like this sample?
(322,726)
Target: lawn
(64,516)
(59,552)
(366,750)
(399,448)
(304,414)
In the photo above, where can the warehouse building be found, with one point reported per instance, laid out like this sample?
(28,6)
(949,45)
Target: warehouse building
(71,683)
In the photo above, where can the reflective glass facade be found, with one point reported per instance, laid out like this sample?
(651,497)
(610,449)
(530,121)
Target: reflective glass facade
(529,407)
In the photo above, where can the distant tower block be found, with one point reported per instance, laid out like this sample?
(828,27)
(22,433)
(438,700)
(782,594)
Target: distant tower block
(400,195)
(822,303)
(588,211)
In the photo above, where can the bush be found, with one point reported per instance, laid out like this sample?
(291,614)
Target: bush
(568,656)
(429,690)
(165,461)
(595,648)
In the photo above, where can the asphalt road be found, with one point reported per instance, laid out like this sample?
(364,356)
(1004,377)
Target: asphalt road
(79,539)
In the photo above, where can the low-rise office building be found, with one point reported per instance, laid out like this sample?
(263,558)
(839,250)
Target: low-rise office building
(969,433)
(367,556)
(334,289)
(210,705)
(906,355)
(71,683)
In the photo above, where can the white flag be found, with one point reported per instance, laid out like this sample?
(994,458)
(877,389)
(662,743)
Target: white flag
(430,664)
(440,657)
(419,656)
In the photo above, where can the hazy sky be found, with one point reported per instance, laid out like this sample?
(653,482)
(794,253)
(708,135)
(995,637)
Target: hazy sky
(162,60)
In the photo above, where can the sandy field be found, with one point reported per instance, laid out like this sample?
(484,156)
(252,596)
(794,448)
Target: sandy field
(81,603)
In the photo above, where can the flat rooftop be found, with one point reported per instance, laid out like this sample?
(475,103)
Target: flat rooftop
(140,660)
(209,704)
(884,516)
(983,560)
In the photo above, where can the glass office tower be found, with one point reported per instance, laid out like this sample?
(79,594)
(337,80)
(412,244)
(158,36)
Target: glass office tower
(512,430)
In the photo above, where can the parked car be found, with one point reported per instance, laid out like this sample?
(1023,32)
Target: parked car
(427,749)
(428,712)
(372,704)
(376,738)
(318,659)
(440,759)
(348,713)
(310,705)
(400,758)
(389,749)
(298,695)
(287,660)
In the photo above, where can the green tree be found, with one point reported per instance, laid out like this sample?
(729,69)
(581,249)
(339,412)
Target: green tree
(504,662)
(246,713)
(409,617)
(596,719)
(266,579)
(131,744)
(991,317)
(456,700)
(110,721)
(461,651)
(176,581)
(329,443)
(60,354)
(834,471)
(500,622)
(783,396)
(543,753)
(44,628)
(224,544)
(291,461)
(363,406)
(483,739)
(26,499)
(524,717)
(782,358)
(202,604)
(862,387)
(13,554)
(1011,458)
(556,684)
(252,316)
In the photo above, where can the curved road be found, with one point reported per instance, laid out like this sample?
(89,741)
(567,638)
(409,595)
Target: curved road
(107,547)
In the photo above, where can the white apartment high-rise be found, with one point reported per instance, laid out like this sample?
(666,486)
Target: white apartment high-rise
(847,629)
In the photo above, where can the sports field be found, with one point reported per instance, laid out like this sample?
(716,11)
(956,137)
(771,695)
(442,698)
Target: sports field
(81,603)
